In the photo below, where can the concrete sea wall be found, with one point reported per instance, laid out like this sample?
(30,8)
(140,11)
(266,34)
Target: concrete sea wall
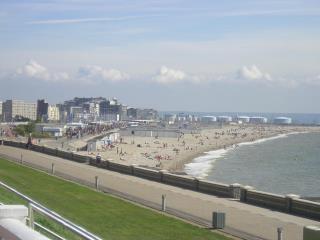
(290,203)
(50,151)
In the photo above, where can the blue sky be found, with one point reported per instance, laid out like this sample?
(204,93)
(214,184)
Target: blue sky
(244,55)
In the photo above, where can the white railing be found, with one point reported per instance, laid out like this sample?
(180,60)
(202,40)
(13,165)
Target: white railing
(47,230)
(34,206)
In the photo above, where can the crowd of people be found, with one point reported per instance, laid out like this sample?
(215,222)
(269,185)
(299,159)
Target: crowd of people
(91,129)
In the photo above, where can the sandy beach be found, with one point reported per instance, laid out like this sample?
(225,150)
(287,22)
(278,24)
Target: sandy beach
(173,153)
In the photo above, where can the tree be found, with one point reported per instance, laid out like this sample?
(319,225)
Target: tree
(30,127)
(19,118)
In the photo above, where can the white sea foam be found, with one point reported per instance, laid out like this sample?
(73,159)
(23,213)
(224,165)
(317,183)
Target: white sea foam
(201,166)
(263,140)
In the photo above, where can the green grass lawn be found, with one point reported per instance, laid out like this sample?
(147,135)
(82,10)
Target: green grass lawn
(102,214)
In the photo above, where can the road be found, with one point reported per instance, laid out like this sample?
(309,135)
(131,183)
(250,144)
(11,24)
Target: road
(245,220)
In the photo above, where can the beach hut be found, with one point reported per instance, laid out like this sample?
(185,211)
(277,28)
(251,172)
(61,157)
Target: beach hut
(111,137)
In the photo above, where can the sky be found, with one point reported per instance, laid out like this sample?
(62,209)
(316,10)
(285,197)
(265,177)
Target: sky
(206,55)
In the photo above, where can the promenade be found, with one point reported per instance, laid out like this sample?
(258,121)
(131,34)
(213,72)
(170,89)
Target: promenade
(241,219)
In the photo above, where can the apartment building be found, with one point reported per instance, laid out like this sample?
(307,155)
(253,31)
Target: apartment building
(53,113)
(13,110)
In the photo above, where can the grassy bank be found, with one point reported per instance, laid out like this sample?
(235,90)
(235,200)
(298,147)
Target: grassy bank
(104,215)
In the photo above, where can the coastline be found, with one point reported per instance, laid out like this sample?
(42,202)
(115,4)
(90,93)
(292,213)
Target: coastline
(181,166)
(172,154)
(202,164)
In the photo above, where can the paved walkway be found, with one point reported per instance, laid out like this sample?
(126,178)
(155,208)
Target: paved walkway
(64,143)
(247,219)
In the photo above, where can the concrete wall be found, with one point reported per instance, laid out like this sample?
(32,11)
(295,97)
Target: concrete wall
(79,158)
(120,168)
(49,151)
(37,148)
(180,181)
(213,188)
(289,203)
(117,167)
(311,233)
(306,208)
(65,154)
(147,173)
(267,200)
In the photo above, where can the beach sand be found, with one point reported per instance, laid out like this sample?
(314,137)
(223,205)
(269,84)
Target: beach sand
(173,153)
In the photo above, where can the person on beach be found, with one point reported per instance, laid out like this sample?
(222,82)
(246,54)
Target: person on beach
(98,158)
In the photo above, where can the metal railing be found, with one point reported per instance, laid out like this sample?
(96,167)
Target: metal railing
(34,206)
(47,230)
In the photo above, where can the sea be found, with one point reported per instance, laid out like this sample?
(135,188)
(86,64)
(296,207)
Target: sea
(297,118)
(283,164)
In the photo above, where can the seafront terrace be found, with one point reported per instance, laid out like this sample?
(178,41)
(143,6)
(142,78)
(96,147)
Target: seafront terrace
(242,219)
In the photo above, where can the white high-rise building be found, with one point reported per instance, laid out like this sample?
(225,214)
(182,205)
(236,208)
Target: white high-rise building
(14,109)
(53,113)
(94,108)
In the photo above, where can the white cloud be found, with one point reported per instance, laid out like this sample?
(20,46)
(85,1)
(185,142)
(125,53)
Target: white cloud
(34,70)
(169,75)
(86,74)
(271,12)
(254,73)
(87,20)
(96,73)
(314,81)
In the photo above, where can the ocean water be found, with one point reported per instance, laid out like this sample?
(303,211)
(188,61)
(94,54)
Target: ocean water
(282,164)
(297,118)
